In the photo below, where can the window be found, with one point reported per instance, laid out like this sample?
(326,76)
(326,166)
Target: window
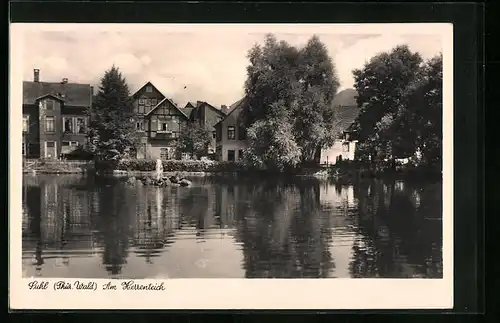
(26,122)
(49,104)
(149,88)
(68,124)
(49,124)
(50,144)
(148,102)
(214,134)
(74,125)
(141,109)
(139,125)
(164,153)
(69,144)
(230,155)
(240,154)
(345,147)
(80,125)
(24,149)
(231,133)
(162,126)
(141,101)
(153,101)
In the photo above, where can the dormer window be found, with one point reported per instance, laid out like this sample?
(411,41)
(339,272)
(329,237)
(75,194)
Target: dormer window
(149,89)
(49,104)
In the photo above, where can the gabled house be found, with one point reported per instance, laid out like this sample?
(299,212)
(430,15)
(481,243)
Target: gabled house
(159,121)
(54,117)
(166,122)
(346,111)
(207,116)
(143,101)
(230,136)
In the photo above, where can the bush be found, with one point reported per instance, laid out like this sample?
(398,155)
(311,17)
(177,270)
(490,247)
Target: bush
(148,165)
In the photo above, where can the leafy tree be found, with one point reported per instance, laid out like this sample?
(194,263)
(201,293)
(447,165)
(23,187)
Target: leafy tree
(112,133)
(271,144)
(272,77)
(425,105)
(194,140)
(302,82)
(314,114)
(382,87)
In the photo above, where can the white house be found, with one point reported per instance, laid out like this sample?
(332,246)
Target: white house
(344,147)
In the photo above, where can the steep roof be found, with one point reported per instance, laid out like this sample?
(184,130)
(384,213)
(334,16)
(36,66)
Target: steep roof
(346,109)
(219,111)
(73,94)
(345,116)
(187,111)
(233,107)
(346,97)
(142,87)
(171,102)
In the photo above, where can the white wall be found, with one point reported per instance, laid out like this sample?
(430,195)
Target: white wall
(330,155)
(233,145)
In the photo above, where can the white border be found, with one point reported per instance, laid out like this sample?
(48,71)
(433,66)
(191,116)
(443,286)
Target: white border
(240,293)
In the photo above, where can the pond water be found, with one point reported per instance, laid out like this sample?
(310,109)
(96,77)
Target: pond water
(96,227)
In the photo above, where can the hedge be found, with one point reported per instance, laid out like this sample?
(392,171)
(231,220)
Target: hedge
(146,165)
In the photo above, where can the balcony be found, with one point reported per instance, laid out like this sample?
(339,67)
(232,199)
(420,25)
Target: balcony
(164,135)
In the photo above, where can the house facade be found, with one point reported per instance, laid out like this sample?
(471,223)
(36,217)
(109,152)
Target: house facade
(159,122)
(54,117)
(344,147)
(207,116)
(230,136)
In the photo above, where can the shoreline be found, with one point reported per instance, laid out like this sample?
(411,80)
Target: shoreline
(347,178)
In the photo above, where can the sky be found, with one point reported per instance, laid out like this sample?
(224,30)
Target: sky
(188,64)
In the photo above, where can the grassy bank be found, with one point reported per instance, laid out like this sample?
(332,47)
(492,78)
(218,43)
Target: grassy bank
(57,167)
(352,170)
(342,171)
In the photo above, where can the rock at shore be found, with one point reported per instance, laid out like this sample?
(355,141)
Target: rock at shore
(131,181)
(184,182)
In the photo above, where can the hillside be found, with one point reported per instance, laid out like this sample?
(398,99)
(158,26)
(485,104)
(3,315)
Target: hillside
(346,97)
(346,109)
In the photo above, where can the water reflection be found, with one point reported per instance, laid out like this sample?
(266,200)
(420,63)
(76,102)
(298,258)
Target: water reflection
(89,227)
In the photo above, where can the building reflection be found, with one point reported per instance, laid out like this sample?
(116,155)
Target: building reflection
(283,228)
(56,221)
(156,217)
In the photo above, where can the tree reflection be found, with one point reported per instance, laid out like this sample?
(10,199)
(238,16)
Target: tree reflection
(401,230)
(282,232)
(114,227)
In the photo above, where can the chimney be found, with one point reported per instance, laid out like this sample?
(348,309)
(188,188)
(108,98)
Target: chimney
(36,75)
(91,95)
(224,108)
(64,81)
